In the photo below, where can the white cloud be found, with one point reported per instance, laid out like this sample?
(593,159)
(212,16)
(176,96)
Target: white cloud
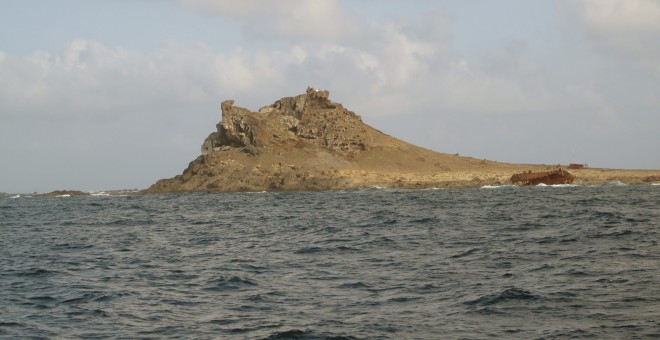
(89,78)
(287,20)
(396,74)
(625,29)
(621,15)
(323,43)
(399,70)
(587,99)
(298,54)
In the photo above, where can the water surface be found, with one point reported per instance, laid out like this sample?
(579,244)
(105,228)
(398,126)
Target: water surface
(540,262)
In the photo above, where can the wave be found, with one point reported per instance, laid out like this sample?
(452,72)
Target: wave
(317,250)
(498,186)
(307,335)
(616,183)
(229,283)
(311,265)
(503,296)
(36,272)
(100,193)
(542,185)
(120,193)
(357,284)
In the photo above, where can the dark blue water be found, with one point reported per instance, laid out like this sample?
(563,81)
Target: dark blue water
(579,262)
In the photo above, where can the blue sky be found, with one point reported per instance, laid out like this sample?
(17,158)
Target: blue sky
(116,94)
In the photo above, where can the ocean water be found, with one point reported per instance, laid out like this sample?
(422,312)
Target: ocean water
(496,262)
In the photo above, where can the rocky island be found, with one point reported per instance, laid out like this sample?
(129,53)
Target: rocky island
(309,142)
(63,193)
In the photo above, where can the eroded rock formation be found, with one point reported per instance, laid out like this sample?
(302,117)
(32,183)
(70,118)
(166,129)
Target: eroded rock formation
(309,142)
(309,118)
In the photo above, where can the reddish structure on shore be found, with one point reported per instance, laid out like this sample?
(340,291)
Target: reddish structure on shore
(576,166)
(559,176)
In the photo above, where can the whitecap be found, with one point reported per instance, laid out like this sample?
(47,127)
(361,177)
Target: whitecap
(65,195)
(617,183)
(497,186)
(543,185)
(101,193)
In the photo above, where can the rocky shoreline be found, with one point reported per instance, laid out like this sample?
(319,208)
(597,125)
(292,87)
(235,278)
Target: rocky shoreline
(72,193)
(63,193)
(308,142)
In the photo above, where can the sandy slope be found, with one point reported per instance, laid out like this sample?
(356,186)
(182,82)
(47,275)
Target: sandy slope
(308,142)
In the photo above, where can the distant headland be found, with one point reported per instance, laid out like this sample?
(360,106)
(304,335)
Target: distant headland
(308,142)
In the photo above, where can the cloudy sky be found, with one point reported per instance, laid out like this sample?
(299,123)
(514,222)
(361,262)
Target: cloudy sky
(117,94)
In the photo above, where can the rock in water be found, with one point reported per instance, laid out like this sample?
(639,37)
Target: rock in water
(63,193)
(308,142)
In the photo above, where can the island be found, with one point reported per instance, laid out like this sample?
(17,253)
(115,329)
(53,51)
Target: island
(308,142)
(63,193)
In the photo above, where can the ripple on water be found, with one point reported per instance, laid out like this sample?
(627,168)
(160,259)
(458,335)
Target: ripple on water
(507,295)
(306,335)
(229,283)
(520,263)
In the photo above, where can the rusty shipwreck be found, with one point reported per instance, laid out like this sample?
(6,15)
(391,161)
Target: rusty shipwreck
(558,176)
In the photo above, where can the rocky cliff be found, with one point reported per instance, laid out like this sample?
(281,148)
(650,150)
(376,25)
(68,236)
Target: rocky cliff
(308,142)
(310,119)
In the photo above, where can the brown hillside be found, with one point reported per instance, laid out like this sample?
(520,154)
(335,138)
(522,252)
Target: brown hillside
(308,142)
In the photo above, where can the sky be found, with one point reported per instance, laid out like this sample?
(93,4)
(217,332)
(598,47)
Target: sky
(99,95)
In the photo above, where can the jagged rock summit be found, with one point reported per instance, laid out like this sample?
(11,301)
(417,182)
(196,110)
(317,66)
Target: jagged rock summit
(308,142)
(307,119)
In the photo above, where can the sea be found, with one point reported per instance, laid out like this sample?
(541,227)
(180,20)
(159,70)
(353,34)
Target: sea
(546,262)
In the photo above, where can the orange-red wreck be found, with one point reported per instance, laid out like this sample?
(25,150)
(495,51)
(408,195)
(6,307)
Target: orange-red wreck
(558,176)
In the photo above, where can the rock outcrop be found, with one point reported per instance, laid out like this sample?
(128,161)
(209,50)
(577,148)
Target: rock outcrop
(308,142)
(309,118)
(62,193)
